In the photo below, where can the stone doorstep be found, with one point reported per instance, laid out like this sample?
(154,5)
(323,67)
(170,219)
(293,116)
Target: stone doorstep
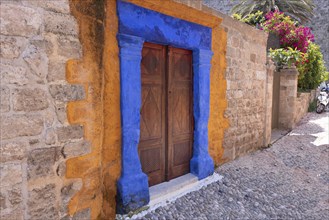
(167,192)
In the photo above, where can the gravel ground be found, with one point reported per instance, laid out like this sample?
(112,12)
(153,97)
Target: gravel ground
(289,180)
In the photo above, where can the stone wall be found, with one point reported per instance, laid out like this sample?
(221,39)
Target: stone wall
(319,23)
(249,85)
(293,105)
(302,103)
(38,41)
(288,95)
(60,105)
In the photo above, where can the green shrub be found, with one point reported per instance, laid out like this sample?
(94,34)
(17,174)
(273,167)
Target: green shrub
(283,56)
(254,19)
(312,70)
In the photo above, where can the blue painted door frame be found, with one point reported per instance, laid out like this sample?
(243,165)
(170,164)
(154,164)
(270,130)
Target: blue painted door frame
(137,25)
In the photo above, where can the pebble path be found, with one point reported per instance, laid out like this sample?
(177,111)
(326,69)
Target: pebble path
(289,180)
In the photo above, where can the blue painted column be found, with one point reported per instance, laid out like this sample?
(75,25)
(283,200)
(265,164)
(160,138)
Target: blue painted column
(201,163)
(133,191)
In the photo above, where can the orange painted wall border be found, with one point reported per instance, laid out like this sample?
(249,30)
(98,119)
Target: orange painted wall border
(100,112)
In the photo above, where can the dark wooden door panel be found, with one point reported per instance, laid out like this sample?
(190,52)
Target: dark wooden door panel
(152,121)
(166,122)
(180,112)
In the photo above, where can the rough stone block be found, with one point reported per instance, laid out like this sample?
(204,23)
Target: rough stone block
(67,92)
(29,99)
(61,112)
(56,70)
(13,151)
(13,74)
(69,132)
(50,137)
(76,149)
(67,192)
(37,60)
(61,169)
(60,24)
(253,57)
(235,42)
(40,162)
(18,20)
(10,174)
(11,47)
(69,47)
(42,203)
(15,195)
(61,6)
(20,125)
(2,202)
(83,214)
(5,99)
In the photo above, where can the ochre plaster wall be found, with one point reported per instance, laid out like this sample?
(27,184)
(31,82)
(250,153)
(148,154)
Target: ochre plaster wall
(217,122)
(98,70)
(89,112)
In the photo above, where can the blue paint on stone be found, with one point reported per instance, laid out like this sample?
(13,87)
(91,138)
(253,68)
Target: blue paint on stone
(137,25)
(133,184)
(201,163)
(162,29)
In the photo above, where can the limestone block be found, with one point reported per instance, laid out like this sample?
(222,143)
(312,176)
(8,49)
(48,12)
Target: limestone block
(61,6)
(18,20)
(14,150)
(30,99)
(69,132)
(37,60)
(11,47)
(4,99)
(76,149)
(67,92)
(2,201)
(50,137)
(61,112)
(61,169)
(20,125)
(67,192)
(69,47)
(42,203)
(83,214)
(13,74)
(15,195)
(60,24)
(56,70)
(10,174)
(40,162)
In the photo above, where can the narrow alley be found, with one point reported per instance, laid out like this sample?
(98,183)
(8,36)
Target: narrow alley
(289,180)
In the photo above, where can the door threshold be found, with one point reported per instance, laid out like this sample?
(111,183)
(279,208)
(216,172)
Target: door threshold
(167,192)
(168,189)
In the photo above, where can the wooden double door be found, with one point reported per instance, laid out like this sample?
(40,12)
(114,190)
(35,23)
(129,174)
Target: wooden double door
(166,117)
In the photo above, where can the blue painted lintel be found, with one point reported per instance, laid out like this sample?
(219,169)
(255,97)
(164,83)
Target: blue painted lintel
(132,186)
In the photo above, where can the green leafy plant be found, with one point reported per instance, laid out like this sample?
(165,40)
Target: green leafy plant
(254,19)
(283,57)
(311,68)
(300,10)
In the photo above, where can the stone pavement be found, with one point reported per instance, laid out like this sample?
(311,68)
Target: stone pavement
(289,180)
